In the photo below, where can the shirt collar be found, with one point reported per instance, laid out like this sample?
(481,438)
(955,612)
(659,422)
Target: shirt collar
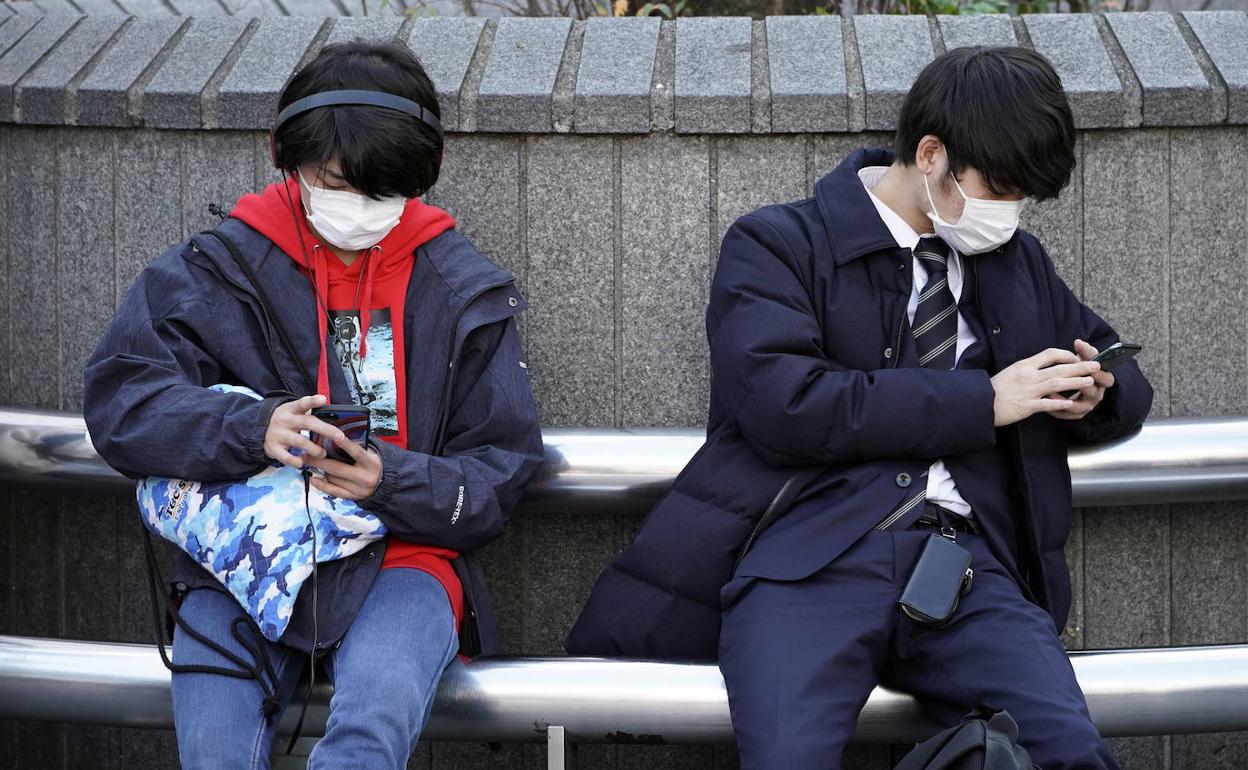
(902,232)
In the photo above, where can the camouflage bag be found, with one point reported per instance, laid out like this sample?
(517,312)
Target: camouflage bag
(256,535)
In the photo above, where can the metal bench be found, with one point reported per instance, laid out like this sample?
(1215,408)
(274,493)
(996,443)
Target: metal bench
(563,701)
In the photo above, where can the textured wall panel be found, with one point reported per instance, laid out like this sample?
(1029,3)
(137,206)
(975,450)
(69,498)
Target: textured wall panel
(571,280)
(665,267)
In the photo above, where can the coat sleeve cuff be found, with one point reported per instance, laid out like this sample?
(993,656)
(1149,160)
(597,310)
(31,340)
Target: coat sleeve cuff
(979,417)
(380,499)
(254,440)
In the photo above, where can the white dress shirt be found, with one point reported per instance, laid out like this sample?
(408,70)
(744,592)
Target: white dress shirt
(940,487)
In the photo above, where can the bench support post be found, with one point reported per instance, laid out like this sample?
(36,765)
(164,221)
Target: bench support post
(560,751)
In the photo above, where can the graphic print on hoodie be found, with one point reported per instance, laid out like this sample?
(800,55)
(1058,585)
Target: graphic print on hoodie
(366,304)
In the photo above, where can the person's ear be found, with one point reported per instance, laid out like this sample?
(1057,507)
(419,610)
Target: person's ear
(928,154)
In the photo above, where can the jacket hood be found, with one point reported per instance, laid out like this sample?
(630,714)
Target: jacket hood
(278,213)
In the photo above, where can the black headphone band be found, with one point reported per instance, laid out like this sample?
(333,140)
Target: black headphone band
(358,97)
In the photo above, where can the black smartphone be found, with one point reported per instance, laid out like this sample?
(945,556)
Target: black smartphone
(351,419)
(1109,358)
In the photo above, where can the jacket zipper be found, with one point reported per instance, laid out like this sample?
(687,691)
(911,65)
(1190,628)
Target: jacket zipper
(445,407)
(765,520)
(264,312)
(901,317)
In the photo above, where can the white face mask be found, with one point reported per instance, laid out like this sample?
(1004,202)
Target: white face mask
(983,226)
(349,220)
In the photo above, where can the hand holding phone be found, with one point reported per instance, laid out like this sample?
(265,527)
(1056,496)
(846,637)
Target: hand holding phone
(351,419)
(1109,358)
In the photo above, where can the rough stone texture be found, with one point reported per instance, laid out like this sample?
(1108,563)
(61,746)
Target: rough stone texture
(148,203)
(664,231)
(445,48)
(1126,245)
(1059,226)
(219,168)
(1141,753)
(198,8)
(755,171)
(172,98)
(84,243)
(1175,92)
(6,362)
(1210,575)
(145,7)
(825,153)
(1126,554)
(39,603)
(986,29)
(1208,272)
(320,8)
(57,7)
(614,80)
(712,75)
(806,63)
(1214,750)
(258,7)
(894,49)
(482,173)
(25,53)
(248,96)
(43,95)
(517,89)
(364,28)
(1073,45)
(34,340)
(1221,35)
(108,96)
(14,29)
(371,8)
(571,278)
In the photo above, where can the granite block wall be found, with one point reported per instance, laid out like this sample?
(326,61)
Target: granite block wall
(605,182)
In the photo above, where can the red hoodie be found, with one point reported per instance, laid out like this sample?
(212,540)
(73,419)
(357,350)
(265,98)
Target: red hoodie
(365,298)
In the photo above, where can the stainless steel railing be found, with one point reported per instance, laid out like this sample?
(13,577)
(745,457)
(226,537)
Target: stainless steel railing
(1173,460)
(1130,692)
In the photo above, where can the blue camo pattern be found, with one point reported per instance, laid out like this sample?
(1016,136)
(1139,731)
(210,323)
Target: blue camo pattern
(254,535)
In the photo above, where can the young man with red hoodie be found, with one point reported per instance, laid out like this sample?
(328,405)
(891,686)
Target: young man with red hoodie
(338,285)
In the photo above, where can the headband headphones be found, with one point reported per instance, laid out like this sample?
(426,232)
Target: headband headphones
(350,98)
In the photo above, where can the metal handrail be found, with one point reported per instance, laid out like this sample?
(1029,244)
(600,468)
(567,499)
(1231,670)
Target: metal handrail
(1129,692)
(1169,460)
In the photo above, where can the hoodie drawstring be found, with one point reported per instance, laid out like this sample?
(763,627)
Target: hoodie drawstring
(370,269)
(320,276)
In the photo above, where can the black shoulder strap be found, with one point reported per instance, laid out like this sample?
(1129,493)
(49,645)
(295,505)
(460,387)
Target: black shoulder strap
(269,316)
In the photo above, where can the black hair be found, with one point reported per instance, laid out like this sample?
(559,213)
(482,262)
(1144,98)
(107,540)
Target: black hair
(383,152)
(1000,111)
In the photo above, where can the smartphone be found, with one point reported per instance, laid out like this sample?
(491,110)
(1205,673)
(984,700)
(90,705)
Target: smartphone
(1109,358)
(351,419)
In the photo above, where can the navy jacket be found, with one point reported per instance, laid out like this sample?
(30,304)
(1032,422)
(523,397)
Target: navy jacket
(192,319)
(820,412)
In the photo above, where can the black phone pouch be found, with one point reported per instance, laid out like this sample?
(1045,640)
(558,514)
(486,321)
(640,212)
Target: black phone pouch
(941,576)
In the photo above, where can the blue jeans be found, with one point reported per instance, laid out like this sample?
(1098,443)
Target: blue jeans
(385,673)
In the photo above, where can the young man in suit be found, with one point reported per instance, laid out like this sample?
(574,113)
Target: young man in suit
(900,331)
(891,361)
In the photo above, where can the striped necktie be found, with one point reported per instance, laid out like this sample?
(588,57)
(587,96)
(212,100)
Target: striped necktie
(935,330)
(935,325)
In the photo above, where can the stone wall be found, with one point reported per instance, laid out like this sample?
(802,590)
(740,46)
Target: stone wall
(602,161)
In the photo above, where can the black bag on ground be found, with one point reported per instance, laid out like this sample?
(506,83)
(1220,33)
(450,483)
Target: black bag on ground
(986,740)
